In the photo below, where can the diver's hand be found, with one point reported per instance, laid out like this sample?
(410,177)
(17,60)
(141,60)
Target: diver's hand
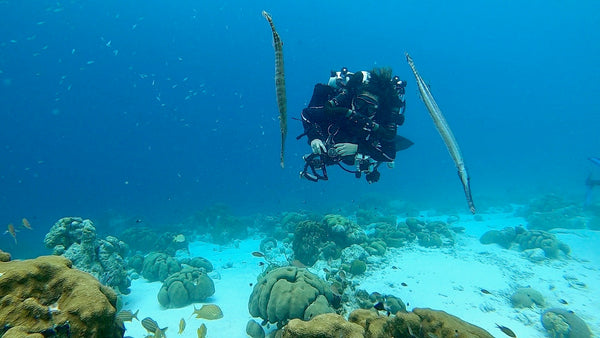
(317,146)
(346,149)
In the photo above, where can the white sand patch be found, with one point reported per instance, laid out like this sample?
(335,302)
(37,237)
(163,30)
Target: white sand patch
(237,269)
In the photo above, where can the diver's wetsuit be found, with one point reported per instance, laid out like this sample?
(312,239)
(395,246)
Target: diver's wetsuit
(321,121)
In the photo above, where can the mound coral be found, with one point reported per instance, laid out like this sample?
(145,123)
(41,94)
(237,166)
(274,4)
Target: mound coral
(328,325)
(544,240)
(158,266)
(527,297)
(308,237)
(367,323)
(47,296)
(4,256)
(504,237)
(562,323)
(527,239)
(287,293)
(182,288)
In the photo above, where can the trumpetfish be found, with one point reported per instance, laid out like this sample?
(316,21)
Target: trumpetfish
(445,133)
(279,84)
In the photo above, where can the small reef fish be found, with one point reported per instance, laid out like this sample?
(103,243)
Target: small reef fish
(127,315)
(160,333)
(258,254)
(506,331)
(342,275)
(379,306)
(297,264)
(201,331)
(484,291)
(179,238)
(336,291)
(403,284)
(11,230)
(208,311)
(279,84)
(181,325)
(152,326)
(26,224)
(562,301)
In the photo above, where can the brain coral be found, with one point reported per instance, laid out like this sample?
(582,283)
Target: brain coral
(188,286)
(286,293)
(158,266)
(46,294)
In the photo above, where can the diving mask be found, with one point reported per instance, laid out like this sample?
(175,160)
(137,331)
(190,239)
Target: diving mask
(365,103)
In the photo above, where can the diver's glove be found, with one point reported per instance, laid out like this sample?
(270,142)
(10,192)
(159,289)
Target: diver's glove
(373,176)
(346,149)
(317,146)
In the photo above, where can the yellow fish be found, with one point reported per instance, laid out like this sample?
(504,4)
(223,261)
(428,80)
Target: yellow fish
(202,331)
(26,224)
(11,230)
(181,326)
(127,315)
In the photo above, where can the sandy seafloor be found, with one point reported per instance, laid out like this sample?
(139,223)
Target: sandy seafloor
(448,279)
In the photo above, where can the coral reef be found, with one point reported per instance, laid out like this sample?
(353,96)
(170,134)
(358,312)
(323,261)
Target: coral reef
(187,286)
(358,267)
(368,323)
(75,238)
(377,247)
(527,297)
(342,231)
(144,240)
(394,236)
(47,296)
(504,237)
(332,233)
(328,325)
(544,240)
(432,323)
(367,301)
(308,237)
(268,244)
(221,224)
(286,293)
(198,262)
(368,216)
(254,330)
(158,266)
(527,240)
(561,323)
(4,256)
(552,211)
(429,234)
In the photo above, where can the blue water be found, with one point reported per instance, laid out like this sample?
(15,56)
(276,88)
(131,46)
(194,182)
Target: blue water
(156,109)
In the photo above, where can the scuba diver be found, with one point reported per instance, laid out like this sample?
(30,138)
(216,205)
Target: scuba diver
(352,121)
